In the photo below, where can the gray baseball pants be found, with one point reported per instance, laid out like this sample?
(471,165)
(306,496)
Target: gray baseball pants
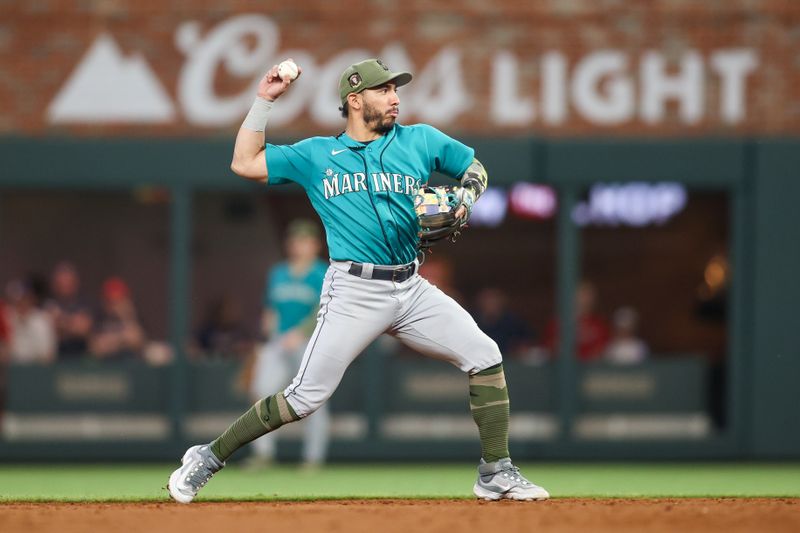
(355,311)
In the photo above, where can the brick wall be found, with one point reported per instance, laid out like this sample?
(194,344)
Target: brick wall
(560,67)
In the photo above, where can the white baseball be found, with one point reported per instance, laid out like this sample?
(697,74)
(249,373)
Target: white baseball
(287,70)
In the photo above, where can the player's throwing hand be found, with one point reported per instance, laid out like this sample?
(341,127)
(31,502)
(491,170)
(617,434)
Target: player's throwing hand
(272,85)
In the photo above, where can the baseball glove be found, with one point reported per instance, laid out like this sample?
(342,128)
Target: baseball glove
(436,212)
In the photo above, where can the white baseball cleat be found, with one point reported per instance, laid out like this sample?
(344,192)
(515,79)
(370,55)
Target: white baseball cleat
(198,465)
(502,480)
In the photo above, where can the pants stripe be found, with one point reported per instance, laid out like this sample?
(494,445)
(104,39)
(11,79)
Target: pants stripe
(319,330)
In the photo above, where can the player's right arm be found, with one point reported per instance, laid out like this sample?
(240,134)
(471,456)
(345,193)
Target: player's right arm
(249,160)
(249,156)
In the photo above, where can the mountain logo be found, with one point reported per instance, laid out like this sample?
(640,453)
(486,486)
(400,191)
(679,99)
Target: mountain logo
(108,87)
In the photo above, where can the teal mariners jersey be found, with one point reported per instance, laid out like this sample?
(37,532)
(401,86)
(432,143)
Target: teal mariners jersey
(364,192)
(293,298)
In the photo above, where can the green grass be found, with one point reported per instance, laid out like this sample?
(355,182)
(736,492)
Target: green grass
(145,482)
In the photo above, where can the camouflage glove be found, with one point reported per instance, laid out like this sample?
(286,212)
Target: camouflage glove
(436,213)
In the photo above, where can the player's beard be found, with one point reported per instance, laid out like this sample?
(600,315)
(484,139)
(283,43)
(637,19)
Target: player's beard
(380,123)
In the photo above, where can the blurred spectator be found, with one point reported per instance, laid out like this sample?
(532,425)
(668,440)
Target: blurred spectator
(712,294)
(223,333)
(33,338)
(509,330)
(158,353)
(592,329)
(291,302)
(70,313)
(117,333)
(40,287)
(625,347)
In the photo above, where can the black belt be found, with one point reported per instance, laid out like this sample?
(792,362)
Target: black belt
(387,273)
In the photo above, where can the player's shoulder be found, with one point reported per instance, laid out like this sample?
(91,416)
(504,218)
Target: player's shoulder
(309,143)
(325,144)
(323,139)
(424,134)
(415,129)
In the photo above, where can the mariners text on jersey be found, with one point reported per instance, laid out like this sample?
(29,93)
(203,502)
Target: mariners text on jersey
(364,192)
(335,183)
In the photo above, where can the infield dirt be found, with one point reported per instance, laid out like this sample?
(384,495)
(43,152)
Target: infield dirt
(417,516)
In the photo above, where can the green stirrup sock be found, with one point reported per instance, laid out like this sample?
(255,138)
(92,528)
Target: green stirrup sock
(488,401)
(266,415)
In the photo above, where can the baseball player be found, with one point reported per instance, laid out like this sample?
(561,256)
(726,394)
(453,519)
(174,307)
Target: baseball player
(290,310)
(362,183)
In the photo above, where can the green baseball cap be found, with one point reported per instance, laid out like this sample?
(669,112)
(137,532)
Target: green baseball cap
(302,227)
(368,74)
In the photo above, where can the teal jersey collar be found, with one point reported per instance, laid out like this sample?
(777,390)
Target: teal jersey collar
(378,143)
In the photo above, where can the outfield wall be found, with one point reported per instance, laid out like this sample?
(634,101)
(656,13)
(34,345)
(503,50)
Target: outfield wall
(389,406)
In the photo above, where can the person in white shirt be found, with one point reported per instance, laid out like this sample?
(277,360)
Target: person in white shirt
(626,347)
(33,336)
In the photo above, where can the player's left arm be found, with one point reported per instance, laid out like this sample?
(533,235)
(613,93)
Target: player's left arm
(269,322)
(308,324)
(473,184)
(296,337)
(457,160)
(306,327)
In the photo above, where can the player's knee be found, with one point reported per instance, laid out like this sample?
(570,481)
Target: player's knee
(303,402)
(493,355)
(484,353)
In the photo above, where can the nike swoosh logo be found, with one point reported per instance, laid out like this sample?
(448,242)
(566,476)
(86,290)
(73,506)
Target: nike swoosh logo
(494,487)
(337,152)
